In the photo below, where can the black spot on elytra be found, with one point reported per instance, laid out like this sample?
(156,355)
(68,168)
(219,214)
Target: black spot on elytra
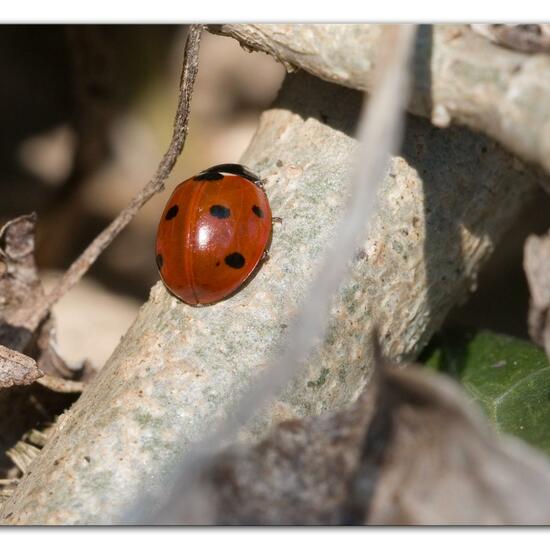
(208,176)
(258,211)
(235,260)
(217,264)
(172,213)
(219,211)
(159,261)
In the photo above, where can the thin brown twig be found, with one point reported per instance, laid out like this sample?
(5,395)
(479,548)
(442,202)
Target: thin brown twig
(31,319)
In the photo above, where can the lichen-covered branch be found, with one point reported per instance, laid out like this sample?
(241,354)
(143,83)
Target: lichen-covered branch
(446,199)
(460,76)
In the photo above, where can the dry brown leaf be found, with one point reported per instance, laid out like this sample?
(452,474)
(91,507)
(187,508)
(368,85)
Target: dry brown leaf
(537,269)
(444,464)
(53,364)
(20,290)
(19,283)
(411,450)
(26,357)
(17,368)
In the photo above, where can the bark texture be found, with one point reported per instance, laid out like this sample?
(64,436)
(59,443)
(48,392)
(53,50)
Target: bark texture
(460,76)
(445,201)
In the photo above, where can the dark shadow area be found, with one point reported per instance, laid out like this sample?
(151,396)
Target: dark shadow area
(330,104)
(502,301)
(74,75)
(457,198)
(24,408)
(448,351)
(339,107)
(35,96)
(421,98)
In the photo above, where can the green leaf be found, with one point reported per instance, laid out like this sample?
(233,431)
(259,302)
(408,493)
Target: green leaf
(510,378)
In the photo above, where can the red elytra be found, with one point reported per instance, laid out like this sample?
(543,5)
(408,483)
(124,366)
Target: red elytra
(214,231)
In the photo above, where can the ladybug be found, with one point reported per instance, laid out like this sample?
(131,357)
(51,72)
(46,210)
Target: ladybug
(214,233)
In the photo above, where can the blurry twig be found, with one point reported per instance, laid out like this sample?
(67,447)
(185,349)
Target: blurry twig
(31,319)
(379,134)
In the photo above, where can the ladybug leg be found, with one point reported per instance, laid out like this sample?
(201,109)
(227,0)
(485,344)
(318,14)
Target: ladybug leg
(277,220)
(265,257)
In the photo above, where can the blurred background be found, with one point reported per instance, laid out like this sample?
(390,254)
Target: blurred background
(86,113)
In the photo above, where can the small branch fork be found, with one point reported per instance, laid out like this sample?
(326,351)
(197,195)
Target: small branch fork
(31,319)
